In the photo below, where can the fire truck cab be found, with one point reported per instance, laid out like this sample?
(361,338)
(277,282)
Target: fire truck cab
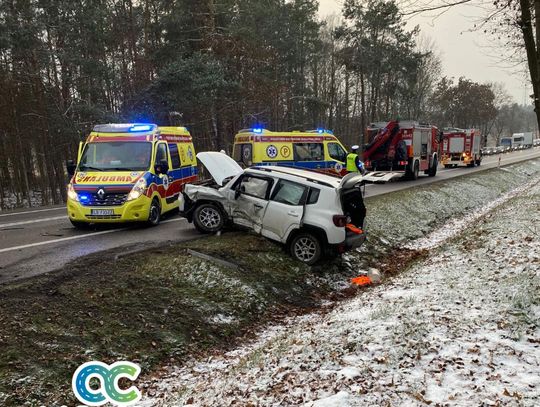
(461,147)
(396,149)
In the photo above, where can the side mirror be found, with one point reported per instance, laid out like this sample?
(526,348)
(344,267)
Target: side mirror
(162,167)
(71,166)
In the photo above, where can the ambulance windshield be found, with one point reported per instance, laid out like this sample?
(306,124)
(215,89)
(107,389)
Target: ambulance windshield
(116,156)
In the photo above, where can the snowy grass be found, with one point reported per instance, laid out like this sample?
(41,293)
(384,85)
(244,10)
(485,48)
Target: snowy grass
(458,328)
(181,307)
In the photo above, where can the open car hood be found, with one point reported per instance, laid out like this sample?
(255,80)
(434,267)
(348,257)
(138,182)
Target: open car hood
(350,181)
(219,165)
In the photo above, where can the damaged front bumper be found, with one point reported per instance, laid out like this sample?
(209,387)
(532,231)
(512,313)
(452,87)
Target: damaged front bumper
(186,207)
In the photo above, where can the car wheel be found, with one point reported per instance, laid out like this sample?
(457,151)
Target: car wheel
(154,214)
(80,225)
(208,218)
(306,248)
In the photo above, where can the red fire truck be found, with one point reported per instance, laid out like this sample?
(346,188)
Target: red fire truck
(461,147)
(396,149)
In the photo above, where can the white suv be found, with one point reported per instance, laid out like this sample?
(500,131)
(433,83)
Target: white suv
(311,213)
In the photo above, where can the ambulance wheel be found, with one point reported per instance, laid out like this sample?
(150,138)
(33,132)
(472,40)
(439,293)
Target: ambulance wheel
(208,218)
(80,225)
(154,214)
(306,248)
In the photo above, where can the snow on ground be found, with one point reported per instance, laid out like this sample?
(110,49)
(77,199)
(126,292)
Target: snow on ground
(460,328)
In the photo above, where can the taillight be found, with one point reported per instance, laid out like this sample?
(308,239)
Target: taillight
(340,221)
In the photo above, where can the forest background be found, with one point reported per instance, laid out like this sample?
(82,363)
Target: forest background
(216,67)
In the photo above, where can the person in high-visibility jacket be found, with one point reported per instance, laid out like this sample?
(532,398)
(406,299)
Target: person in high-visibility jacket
(354,164)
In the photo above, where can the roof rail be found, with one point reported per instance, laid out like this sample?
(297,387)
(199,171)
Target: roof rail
(275,168)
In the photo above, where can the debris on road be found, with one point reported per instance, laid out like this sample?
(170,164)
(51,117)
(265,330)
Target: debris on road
(361,281)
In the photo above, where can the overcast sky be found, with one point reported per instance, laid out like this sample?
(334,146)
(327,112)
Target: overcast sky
(462,53)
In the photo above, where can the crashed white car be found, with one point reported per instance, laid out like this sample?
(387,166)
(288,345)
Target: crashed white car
(311,213)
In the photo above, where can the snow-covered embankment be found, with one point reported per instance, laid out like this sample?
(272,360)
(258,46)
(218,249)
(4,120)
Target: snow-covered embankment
(460,328)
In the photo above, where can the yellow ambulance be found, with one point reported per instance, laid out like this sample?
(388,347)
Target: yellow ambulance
(317,150)
(129,172)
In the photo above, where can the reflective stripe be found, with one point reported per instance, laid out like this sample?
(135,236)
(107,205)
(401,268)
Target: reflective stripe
(351,162)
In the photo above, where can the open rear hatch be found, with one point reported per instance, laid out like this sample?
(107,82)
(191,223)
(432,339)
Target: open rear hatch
(383,176)
(352,203)
(352,200)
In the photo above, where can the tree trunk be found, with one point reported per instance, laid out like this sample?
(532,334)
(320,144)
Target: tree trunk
(532,49)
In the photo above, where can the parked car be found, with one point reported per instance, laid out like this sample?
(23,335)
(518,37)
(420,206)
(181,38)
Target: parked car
(311,213)
(488,151)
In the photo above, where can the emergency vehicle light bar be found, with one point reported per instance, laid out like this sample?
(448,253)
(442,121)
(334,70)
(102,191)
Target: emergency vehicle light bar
(320,131)
(124,128)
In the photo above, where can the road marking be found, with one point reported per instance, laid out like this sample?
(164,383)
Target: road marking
(27,222)
(64,239)
(63,208)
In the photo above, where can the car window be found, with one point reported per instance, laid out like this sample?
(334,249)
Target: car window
(313,196)
(161,153)
(175,157)
(308,152)
(337,152)
(290,193)
(257,187)
(242,153)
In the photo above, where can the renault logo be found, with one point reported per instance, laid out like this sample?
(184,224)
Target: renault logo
(101,193)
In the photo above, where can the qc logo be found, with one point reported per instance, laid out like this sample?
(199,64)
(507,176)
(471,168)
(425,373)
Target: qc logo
(108,376)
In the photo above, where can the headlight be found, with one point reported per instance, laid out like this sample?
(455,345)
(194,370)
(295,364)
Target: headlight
(138,190)
(72,194)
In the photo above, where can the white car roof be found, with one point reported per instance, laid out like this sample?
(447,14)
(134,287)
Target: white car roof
(307,175)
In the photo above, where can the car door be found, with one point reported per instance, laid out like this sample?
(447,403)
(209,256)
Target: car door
(251,201)
(285,209)
(164,181)
(338,158)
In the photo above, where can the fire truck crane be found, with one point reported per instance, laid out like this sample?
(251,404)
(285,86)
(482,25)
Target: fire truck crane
(396,149)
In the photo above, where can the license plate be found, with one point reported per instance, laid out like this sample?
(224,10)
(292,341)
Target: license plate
(102,212)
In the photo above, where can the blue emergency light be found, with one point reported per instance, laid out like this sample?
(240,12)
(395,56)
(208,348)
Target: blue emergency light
(258,130)
(140,127)
(83,197)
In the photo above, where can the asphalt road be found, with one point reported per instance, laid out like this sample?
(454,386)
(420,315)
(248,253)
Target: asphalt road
(40,240)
